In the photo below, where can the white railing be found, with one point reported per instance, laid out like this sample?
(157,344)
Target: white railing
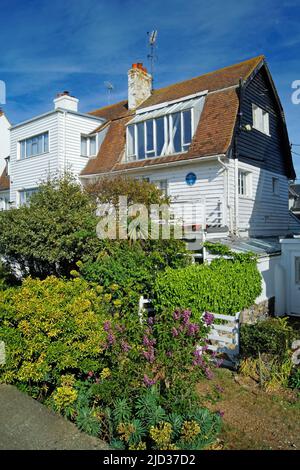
(224,337)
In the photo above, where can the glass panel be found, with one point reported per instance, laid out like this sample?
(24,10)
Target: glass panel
(130,143)
(40,146)
(28,148)
(84,146)
(23,149)
(187,127)
(34,146)
(297,269)
(160,135)
(150,135)
(93,145)
(46,142)
(176,132)
(141,141)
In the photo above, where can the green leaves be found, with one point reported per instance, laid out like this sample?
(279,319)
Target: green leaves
(224,286)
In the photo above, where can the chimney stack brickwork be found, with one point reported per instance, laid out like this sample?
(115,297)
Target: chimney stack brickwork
(139,85)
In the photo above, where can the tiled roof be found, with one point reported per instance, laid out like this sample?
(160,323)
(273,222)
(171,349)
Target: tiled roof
(213,135)
(4,181)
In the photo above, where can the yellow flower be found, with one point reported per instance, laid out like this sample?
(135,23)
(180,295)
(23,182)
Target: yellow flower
(189,430)
(125,430)
(64,396)
(161,434)
(117,303)
(105,373)
(114,287)
(107,297)
(140,446)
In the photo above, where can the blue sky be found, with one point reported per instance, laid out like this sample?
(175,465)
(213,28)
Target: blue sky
(49,46)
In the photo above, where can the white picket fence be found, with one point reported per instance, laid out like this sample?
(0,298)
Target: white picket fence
(223,337)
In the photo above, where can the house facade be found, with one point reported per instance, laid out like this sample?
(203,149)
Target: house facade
(218,141)
(4,156)
(47,145)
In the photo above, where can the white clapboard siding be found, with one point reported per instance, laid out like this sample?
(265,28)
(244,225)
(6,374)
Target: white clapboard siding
(263,213)
(207,192)
(76,125)
(65,129)
(28,173)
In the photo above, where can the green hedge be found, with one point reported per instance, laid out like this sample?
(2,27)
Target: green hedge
(225,286)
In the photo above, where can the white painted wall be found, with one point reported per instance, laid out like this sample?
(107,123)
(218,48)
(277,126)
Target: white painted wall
(262,213)
(288,290)
(65,129)
(4,140)
(267,267)
(208,188)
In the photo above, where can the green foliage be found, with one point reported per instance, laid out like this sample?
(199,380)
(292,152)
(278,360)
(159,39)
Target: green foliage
(294,379)
(50,327)
(54,231)
(134,266)
(224,286)
(109,189)
(219,249)
(7,278)
(272,336)
(87,421)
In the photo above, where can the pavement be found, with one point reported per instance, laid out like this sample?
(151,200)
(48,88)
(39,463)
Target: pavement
(26,424)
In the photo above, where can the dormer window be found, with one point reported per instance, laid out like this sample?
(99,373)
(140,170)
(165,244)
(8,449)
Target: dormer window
(167,130)
(88,145)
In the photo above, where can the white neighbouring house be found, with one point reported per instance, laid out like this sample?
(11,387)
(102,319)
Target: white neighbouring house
(4,160)
(217,142)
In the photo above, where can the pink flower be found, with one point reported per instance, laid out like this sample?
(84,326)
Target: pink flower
(174,332)
(149,382)
(208,318)
(107,325)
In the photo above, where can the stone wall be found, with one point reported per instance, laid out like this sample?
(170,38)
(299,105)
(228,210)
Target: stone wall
(258,312)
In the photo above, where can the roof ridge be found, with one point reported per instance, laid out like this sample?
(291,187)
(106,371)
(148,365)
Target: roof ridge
(259,59)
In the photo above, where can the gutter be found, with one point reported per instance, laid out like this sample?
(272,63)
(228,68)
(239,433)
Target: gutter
(158,165)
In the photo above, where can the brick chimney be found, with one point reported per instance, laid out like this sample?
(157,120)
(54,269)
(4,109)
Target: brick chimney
(65,101)
(139,85)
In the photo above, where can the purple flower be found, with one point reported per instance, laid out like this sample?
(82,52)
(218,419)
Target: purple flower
(149,355)
(90,373)
(192,329)
(220,413)
(125,346)
(219,388)
(169,354)
(209,374)
(208,318)
(111,338)
(149,382)
(186,315)
(174,332)
(176,315)
(107,325)
(150,320)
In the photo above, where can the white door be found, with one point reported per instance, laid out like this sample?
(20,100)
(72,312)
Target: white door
(295,283)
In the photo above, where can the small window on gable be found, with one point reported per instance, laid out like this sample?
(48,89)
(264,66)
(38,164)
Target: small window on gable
(88,145)
(260,119)
(244,183)
(275,185)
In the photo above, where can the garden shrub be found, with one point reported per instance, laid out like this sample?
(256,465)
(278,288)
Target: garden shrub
(72,346)
(134,266)
(224,286)
(271,336)
(50,328)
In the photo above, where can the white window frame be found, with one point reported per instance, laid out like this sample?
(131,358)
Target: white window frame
(158,184)
(247,183)
(168,147)
(88,145)
(261,119)
(25,191)
(25,142)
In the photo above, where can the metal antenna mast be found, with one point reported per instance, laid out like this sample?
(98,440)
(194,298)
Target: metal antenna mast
(151,56)
(109,86)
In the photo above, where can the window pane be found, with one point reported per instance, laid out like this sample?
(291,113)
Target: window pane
(46,142)
(160,135)
(93,145)
(297,269)
(23,148)
(84,146)
(187,127)
(150,136)
(176,132)
(130,143)
(28,148)
(141,141)
(40,144)
(34,146)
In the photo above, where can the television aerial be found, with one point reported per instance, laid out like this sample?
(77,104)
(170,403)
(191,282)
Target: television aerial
(109,87)
(152,45)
